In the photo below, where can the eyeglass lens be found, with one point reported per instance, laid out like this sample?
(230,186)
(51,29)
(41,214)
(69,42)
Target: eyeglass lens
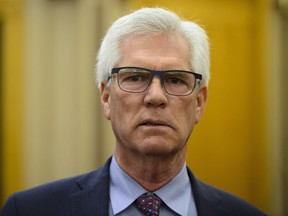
(137,80)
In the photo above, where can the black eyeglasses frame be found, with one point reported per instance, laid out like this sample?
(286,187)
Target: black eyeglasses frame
(156,73)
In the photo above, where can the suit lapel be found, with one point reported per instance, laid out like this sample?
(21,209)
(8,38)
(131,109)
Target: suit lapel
(93,197)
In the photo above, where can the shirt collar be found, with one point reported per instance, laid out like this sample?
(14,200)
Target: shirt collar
(176,194)
(124,190)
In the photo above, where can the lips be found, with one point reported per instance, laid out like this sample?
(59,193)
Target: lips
(154,123)
(151,124)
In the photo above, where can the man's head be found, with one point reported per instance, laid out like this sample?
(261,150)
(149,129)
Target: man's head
(154,106)
(153,21)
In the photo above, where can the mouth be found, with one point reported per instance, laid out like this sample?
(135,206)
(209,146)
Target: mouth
(153,123)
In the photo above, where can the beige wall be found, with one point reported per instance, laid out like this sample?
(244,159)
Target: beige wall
(64,132)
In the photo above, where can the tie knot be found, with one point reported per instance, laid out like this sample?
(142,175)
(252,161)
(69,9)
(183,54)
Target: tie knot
(149,204)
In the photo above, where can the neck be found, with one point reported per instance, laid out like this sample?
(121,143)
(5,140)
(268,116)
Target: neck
(151,172)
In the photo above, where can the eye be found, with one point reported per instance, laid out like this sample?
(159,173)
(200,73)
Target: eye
(175,79)
(134,77)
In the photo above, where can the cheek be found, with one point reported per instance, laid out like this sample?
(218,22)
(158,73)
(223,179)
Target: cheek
(187,117)
(122,107)
(188,111)
(123,116)
(113,110)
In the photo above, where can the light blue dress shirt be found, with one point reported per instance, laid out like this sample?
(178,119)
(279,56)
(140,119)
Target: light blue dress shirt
(176,195)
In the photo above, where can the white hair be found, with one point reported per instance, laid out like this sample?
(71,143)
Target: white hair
(150,21)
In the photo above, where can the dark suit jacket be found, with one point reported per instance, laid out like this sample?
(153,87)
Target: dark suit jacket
(88,195)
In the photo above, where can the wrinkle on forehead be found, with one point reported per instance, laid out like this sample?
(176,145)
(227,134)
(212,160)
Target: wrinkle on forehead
(157,52)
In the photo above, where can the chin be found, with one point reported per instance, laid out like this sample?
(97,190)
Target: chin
(158,149)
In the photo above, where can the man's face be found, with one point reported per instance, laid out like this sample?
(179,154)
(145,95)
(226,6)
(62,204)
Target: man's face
(153,122)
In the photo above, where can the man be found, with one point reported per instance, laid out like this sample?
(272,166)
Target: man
(153,72)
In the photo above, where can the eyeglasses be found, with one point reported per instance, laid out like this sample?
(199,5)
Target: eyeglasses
(175,82)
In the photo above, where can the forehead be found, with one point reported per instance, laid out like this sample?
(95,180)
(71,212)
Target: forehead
(159,52)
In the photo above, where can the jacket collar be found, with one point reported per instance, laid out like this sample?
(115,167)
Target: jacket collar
(91,196)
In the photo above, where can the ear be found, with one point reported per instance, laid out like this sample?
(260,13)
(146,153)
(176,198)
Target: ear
(201,99)
(105,99)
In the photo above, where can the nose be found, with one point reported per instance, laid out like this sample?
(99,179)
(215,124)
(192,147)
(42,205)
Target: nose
(155,95)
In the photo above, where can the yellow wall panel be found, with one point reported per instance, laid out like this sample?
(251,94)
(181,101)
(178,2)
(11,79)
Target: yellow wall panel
(11,94)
